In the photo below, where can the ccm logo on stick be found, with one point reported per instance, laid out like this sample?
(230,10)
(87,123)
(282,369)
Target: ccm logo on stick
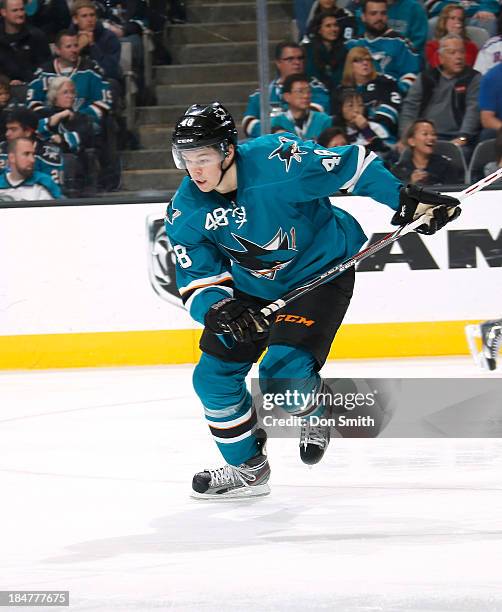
(288,318)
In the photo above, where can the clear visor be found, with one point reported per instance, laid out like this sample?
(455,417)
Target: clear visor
(185,159)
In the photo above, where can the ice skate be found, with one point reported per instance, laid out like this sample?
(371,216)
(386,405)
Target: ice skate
(314,440)
(249,479)
(490,333)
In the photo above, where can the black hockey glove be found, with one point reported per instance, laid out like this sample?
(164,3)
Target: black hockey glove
(231,316)
(415,201)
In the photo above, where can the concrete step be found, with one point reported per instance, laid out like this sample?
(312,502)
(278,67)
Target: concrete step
(138,180)
(187,94)
(159,137)
(214,12)
(218,52)
(170,114)
(154,137)
(147,159)
(193,33)
(234,72)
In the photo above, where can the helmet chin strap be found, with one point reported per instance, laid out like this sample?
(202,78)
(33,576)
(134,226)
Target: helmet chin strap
(225,170)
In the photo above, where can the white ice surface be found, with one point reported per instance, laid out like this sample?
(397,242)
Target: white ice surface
(95,473)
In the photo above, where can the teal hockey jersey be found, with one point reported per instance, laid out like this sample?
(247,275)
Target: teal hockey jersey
(251,122)
(280,230)
(313,124)
(392,55)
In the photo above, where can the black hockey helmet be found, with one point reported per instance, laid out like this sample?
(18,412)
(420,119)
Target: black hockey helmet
(203,126)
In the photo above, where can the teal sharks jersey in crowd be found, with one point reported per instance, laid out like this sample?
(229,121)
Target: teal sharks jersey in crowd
(251,122)
(280,230)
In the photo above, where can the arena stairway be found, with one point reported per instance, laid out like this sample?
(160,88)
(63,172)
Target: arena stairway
(214,58)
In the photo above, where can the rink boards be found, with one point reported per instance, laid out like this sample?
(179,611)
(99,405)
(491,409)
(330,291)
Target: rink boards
(94,285)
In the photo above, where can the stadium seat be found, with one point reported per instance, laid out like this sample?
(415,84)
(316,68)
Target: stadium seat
(483,154)
(478,35)
(454,152)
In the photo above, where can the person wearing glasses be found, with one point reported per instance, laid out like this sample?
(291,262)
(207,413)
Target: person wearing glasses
(299,119)
(289,59)
(392,53)
(380,92)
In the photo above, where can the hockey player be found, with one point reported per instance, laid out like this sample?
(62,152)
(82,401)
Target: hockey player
(490,333)
(248,223)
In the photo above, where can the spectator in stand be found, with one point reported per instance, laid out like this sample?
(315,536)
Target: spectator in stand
(93,99)
(61,123)
(482,14)
(490,102)
(392,54)
(447,95)
(127,19)
(289,59)
(93,91)
(491,52)
(359,129)
(345,19)
(94,40)
(50,16)
(325,52)
(451,21)
(22,47)
(409,19)
(418,162)
(20,181)
(380,93)
(299,119)
(22,123)
(333,137)
(73,132)
(5,102)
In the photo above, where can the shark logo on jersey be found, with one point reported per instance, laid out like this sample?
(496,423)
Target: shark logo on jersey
(171,212)
(264,261)
(287,151)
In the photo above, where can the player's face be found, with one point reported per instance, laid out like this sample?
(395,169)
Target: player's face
(66,96)
(68,49)
(85,19)
(455,21)
(300,96)
(329,29)
(452,56)
(374,17)
(292,61)
(16,130)
(204,167)
(23,158)
(327,5)
(14,12)
(424,139)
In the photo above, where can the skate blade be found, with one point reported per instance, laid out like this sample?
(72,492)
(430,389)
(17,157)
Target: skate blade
(471,333)
(242,493)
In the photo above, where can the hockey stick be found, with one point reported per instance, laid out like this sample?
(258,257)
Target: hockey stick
(370,250)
